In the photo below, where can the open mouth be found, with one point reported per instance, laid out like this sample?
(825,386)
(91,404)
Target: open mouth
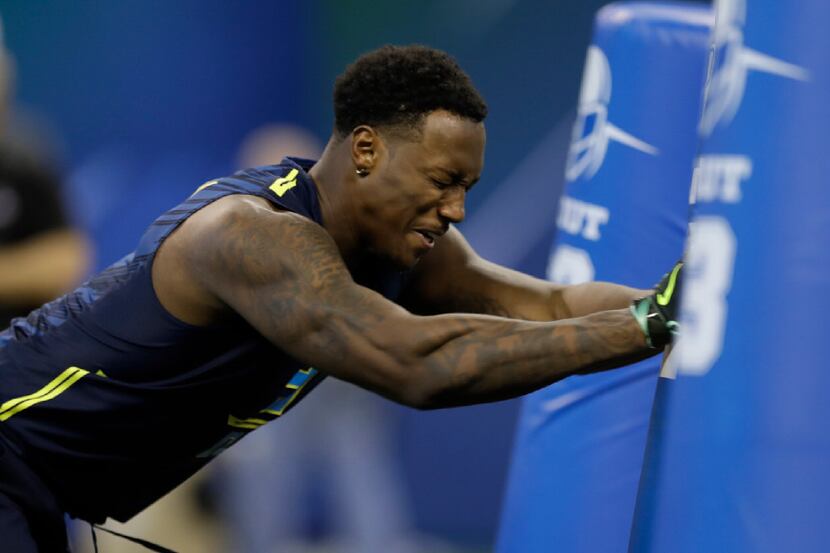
(427,237)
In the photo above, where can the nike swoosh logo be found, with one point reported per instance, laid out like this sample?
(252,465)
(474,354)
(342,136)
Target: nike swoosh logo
(665,297)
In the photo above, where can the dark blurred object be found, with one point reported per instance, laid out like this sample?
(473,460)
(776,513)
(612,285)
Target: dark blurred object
(41,255)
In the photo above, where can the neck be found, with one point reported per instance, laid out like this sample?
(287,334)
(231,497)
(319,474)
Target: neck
(335,180)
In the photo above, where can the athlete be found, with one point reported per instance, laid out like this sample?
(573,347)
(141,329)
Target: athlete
(238,301)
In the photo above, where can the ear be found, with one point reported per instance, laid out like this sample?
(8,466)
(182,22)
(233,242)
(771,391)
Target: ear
(367,147)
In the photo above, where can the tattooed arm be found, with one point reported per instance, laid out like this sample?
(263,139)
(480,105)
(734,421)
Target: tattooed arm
(284,275)
(453,278)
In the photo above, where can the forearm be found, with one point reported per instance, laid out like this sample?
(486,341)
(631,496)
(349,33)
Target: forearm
(497,360)
(458,359)
(591,297)
(531,299)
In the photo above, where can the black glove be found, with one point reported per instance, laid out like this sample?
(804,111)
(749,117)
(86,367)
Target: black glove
(657,313)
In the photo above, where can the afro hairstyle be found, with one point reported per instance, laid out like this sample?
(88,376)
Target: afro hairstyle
(396,86)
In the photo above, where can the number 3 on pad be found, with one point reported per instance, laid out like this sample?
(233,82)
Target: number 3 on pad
(708,277)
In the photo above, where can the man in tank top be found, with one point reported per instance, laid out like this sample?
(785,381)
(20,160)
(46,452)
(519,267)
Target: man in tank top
(239,300)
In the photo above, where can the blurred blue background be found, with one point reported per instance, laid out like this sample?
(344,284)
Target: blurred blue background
(150,98)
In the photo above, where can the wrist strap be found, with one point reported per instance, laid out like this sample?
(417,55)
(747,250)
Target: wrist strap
(640,310)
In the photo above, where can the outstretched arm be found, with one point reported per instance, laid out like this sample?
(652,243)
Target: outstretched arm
(285,276)
(453,278)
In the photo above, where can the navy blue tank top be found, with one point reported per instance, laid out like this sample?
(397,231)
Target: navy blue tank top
(114,401)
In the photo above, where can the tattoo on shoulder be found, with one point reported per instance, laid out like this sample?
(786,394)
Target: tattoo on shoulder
(285,271)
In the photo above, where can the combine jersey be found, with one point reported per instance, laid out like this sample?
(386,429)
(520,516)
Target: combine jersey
(115,402)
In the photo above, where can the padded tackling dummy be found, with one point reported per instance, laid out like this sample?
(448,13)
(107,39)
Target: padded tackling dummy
(623,218)
(739,451)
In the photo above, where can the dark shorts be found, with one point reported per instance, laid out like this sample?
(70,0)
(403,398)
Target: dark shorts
(30,519)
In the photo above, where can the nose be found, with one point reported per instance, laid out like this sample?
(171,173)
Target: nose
(452,204)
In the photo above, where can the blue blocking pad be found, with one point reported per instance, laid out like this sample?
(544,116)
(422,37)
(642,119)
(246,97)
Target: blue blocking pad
(739,451)
(623,218)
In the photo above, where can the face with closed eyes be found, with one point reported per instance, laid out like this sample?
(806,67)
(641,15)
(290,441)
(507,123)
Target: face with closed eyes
(417,184)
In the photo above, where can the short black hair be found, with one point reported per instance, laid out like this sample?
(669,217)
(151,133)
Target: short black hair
(398,85)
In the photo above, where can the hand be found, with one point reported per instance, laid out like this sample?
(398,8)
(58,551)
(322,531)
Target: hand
(657,313)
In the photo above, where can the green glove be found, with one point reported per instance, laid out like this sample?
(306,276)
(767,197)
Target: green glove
(657,313)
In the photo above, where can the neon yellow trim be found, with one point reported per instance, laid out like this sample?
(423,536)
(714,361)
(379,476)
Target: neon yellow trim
(52,390)
(283,184)
(291,386)
(307,371)
(293,397)
(248,424)
(287,403)
(101,373)
(665,297)
(208,183)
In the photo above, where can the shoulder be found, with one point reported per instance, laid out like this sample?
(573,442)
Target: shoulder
(240,213)
(238,241)
(243,228)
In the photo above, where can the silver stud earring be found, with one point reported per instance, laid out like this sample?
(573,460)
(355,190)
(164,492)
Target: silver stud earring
(362,172)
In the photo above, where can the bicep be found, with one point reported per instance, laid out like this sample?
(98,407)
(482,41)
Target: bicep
(284,275)
(454,278)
